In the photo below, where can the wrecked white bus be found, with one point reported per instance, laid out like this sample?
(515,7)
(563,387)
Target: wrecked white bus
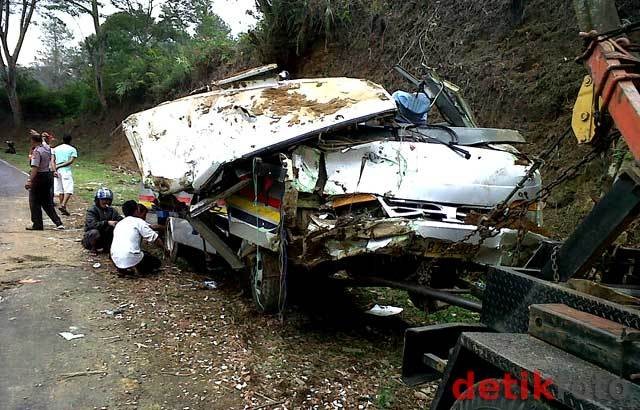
(315,176)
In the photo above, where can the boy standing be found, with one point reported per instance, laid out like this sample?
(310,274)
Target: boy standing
(64,155)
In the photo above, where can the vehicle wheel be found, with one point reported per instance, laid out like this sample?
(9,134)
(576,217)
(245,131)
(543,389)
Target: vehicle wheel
(171,245)
(264,279)
(424,303)
(471,400)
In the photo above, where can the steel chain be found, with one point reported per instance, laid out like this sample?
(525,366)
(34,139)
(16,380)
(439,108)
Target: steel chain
(490,225)
(554,264)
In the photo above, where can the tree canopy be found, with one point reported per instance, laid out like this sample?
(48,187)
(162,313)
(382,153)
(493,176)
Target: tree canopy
(130,56)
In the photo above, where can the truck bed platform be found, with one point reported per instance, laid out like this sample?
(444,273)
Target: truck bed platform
(575,382)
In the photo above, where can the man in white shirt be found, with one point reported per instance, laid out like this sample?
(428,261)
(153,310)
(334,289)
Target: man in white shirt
(127,237)
(64,155)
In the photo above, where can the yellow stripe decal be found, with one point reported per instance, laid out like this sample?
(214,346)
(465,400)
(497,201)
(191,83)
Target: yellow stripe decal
(260,210)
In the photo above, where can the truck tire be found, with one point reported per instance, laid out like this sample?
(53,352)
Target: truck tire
(475,402)
(425,304)
(171,245)
(434,277)
(264,280)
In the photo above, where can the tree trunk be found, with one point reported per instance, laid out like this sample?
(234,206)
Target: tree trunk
(97,77)
(98,57)
(12,94)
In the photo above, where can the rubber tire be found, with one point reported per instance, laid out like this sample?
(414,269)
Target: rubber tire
(265,285)
(172,246)
(424,303)
(501,403)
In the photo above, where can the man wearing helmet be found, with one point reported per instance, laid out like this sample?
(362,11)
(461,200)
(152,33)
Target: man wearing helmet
(100,221)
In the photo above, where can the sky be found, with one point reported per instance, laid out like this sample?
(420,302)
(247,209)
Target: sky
(233,12)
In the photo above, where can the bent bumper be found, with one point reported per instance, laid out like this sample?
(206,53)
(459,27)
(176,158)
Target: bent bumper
(404,237)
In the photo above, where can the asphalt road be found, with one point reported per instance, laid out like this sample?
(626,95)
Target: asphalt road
(40,298)
(11,181)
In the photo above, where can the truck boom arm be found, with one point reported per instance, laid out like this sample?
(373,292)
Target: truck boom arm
(614,70)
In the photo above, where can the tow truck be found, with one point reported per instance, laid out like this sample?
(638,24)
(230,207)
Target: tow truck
(564,330)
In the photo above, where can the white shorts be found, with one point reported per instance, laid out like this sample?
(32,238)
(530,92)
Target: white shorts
(63,183)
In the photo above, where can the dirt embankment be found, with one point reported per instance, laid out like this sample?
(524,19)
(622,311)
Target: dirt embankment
(514,61)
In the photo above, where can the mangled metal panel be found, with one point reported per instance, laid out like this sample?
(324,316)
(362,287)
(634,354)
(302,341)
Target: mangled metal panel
(179,145)
(427,172)
(251,74)
(401,236)
(467,136)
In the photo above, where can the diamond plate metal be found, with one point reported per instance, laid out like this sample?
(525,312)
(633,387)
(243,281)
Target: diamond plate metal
(509,294)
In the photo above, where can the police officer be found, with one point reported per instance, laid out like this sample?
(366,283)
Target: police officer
(40,185)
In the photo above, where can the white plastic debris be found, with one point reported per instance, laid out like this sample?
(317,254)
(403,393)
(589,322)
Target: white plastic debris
(113,312)
(70,336)
(210,284)
(97,265)
(379,310)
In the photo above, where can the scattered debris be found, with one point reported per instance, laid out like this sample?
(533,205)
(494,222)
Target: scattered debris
(264,406)
(70,336)
(97,265)
(210,284)
(85,373)
(116,311)
(29,281)
(109,312)
(378,310)
(111,338)
(177,374)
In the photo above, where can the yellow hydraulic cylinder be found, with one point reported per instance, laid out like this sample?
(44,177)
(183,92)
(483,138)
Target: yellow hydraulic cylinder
(582,121)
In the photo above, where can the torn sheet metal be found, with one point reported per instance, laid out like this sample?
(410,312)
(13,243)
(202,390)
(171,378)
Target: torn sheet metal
(179,145)
(426,172)
(418,237)
(254,221)
(250,74)
(467,136)
(306,165)
(182,232)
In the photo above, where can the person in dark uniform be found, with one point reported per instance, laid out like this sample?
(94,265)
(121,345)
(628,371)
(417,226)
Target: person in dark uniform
(100,221)
(39,184)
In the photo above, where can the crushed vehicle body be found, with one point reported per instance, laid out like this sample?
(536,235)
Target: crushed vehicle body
(320,174)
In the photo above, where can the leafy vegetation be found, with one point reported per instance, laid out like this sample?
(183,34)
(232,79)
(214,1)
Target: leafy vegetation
(133,57)
(142,59)
(289,28)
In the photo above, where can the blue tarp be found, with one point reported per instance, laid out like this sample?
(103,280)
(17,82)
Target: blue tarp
(413,107)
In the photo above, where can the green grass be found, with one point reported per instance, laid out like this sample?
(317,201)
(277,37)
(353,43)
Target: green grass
(411,314)
(90,173)
(385,397)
